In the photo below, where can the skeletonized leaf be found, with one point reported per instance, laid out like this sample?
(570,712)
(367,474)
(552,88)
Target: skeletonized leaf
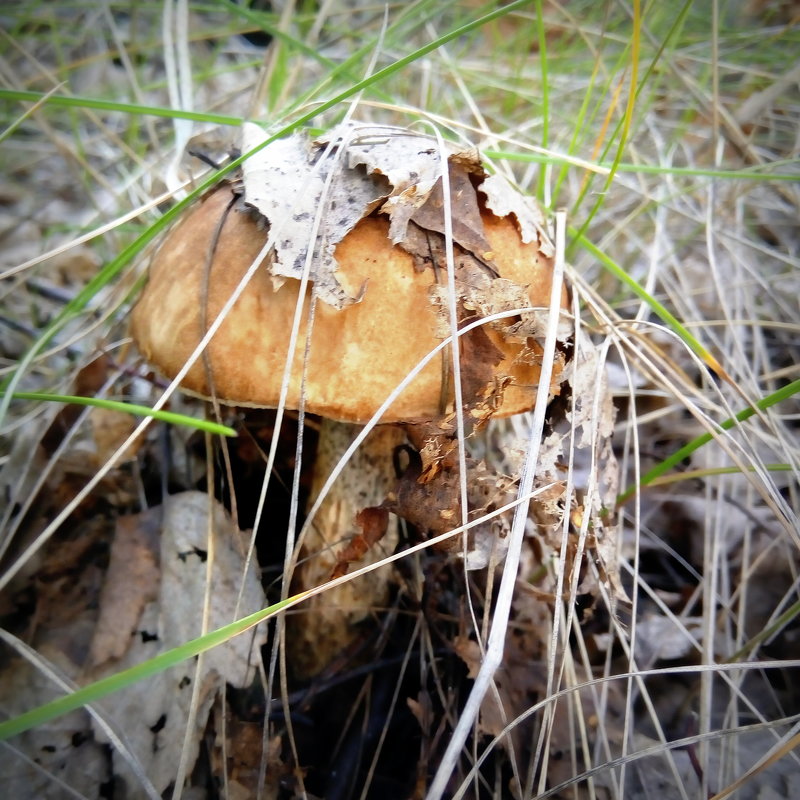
(286,182)
(407,159)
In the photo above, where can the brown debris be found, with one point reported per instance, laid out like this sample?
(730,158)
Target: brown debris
(131,582)
(374,522)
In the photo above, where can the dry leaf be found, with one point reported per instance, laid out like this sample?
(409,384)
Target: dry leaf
(109,430)
(285,182)
(239,756)
(62,748)
(594,410)
(374,522)
(518,682)
(87,383)
(155,712)
(479,357)
(65,587)
(131,582)
(213,146)
(503,199)
(407,158)
(422,710)
(357,169)
(658,637)
(466,222)
(431,501)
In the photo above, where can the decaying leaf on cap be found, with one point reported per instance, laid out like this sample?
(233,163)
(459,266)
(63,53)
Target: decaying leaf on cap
(286,183)
(359,170)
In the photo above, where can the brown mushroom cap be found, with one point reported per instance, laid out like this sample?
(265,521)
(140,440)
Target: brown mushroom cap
(358,354)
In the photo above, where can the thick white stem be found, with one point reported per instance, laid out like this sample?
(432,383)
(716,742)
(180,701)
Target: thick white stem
(327,623)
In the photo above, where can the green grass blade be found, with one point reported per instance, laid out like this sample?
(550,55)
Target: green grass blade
(120,680)
(708,472)
(130,408)
(758,172)
(114,105)
(762,636)
(658,308)
(776,397)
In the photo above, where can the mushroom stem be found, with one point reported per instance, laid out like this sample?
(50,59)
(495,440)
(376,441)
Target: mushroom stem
(328,625)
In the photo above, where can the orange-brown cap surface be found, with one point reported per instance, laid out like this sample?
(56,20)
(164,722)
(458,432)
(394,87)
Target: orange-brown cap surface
(358,354)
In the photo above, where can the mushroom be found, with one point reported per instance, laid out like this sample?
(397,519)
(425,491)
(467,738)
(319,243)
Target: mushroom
(357,354)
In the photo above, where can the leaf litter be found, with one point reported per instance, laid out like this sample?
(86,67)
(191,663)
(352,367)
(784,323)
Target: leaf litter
(171,600)
(149,599)
(376,169)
